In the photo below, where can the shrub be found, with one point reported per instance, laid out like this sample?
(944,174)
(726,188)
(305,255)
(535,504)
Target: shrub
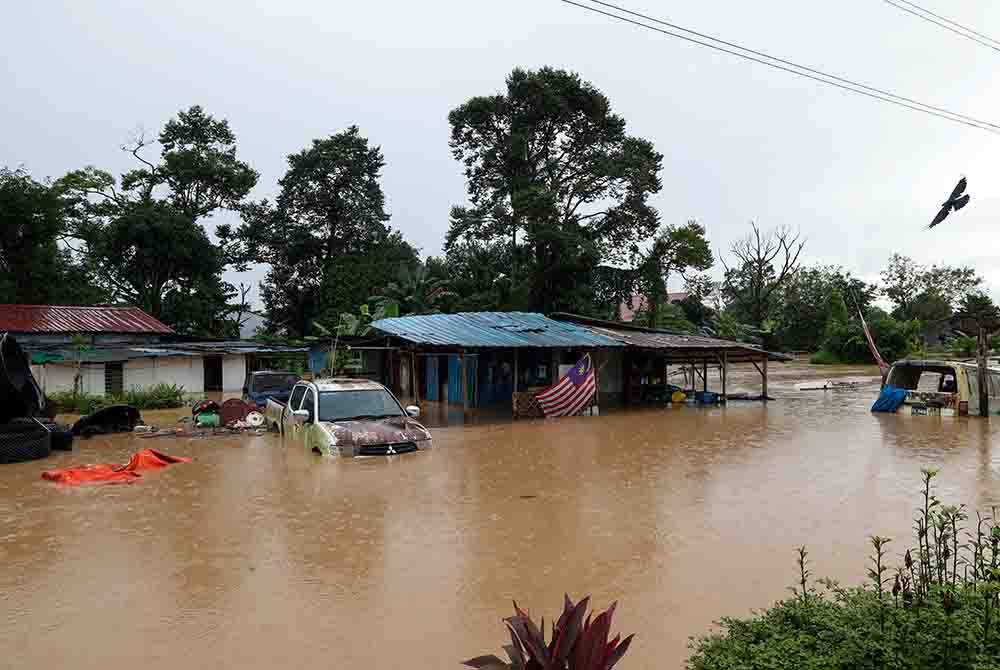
(158,396)
(577,642)
(963,345)
(939,609)
(824,357)
(895,339)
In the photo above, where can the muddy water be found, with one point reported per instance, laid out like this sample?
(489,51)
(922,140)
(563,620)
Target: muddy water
(258,555)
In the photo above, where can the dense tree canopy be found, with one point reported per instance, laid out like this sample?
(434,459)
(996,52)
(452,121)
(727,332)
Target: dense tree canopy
(325,236)
(551,171)
(143,232)
(810,298)
(911,286)
(36,265)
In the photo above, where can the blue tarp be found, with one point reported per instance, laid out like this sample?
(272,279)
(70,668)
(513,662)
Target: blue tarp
(889,399)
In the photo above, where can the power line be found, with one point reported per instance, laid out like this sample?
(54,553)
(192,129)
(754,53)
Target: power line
(795,65)
(991,43)
(789,66)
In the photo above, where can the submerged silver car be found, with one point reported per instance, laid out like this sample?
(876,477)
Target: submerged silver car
(348,417)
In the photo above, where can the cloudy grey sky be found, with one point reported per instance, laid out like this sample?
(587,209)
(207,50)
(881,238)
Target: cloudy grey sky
(860,178)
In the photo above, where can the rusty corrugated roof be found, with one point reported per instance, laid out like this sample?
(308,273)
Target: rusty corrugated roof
(75,319)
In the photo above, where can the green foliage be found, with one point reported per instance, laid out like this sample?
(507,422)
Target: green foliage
(824,357)
(577,642)
(34,268)
(727,327)
(919,292)
(417,292)
(551,173)
(143,234)
(963,345)
(978,311)
(676,249)
(325,237)
(667,316)
(158,396)
(938,609)
(845,341)
(479,274)
(807,304)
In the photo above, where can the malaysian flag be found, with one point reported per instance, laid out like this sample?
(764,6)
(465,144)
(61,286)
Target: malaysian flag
(572,392)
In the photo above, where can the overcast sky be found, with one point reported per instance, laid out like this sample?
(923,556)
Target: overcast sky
(860,178)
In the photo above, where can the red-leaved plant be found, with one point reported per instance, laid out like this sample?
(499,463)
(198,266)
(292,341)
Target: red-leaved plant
(576,644)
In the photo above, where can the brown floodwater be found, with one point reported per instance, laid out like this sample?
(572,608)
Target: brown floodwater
(259,555)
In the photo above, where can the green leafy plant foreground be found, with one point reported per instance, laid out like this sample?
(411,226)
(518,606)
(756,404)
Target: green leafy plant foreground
(158,396)
(937,609)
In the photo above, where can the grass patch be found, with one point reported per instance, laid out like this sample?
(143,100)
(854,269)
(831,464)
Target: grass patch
(824,357)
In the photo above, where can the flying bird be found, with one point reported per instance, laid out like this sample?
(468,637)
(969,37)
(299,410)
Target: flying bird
(955,202)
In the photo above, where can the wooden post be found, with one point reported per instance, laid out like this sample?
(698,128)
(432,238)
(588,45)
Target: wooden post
(515,371)
(725,373)
(414,384)
(981,377)
(597,384)
(464,383)
(704,376)
(763,380)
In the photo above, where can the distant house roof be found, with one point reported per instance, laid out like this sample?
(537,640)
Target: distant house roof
(72,319)
(627,313)
(500,330)
(680,347)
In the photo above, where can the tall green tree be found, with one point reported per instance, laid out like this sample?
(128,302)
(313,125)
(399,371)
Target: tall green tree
(675,250)
(145,239)
(806,302)
(911,286)
(551,171)
(36,264)
(325,236)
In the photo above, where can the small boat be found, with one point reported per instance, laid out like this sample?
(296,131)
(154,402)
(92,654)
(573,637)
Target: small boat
(833,385)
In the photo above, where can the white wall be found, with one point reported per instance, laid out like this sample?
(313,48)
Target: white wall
(186,371)
(234,373)
(53,377)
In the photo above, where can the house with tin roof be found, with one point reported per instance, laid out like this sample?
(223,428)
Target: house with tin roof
(122,348)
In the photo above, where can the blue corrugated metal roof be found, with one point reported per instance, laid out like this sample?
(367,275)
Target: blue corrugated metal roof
(491,329)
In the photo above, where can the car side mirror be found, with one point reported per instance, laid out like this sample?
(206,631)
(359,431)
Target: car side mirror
(300,416)
(413,411)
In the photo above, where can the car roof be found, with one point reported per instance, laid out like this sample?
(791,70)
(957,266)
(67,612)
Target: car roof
(346,384)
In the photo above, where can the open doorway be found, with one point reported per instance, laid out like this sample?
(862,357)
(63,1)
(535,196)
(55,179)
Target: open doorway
(213,373)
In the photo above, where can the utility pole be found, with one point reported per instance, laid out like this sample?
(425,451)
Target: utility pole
(983,346)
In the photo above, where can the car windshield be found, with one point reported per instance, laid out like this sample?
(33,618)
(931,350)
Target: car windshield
(274,381)
(345,405)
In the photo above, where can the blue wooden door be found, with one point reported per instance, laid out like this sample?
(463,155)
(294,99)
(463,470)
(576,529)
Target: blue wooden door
(431,366)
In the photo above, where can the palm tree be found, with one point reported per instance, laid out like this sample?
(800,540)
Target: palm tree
(416,292)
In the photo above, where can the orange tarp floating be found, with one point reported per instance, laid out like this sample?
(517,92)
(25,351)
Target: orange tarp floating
(109,473)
